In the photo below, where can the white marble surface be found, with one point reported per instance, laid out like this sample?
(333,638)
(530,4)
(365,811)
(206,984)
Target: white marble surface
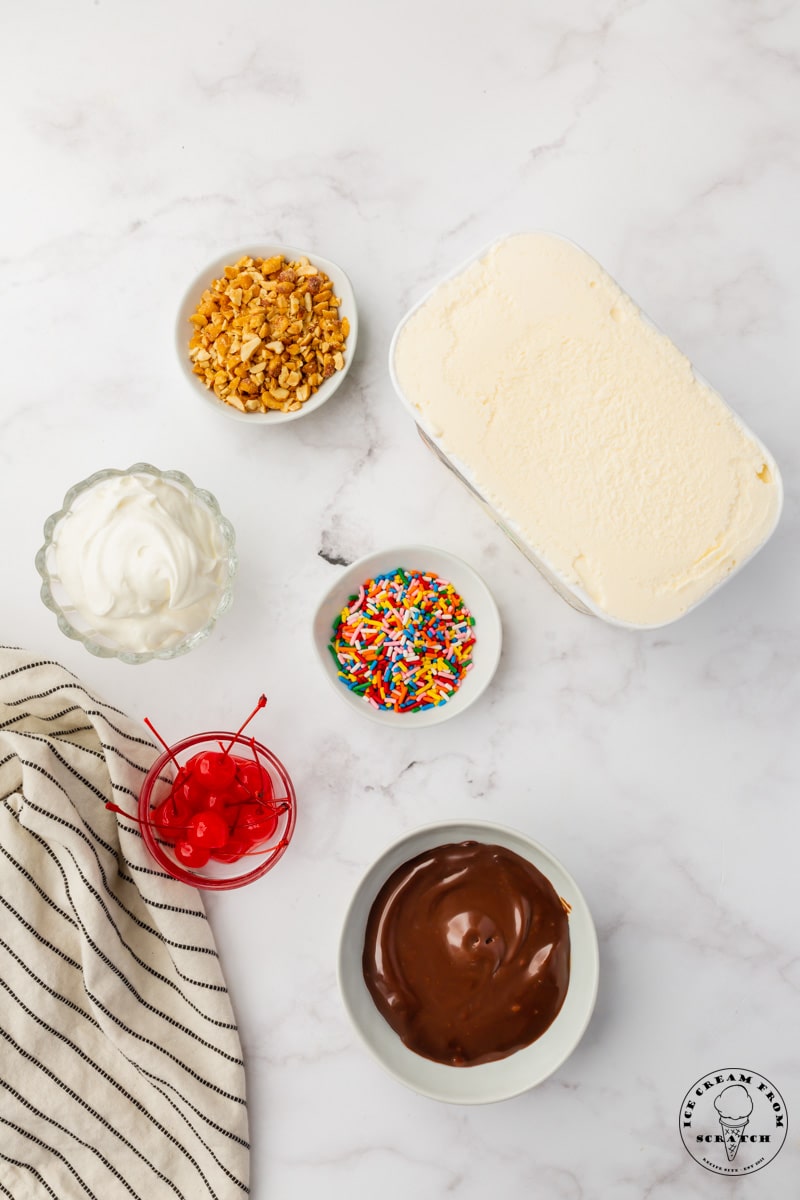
(142,139)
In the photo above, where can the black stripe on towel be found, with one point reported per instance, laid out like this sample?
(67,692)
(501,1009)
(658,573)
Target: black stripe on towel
(37,1112)
(26,1133)
(27,1167)
(62,1037)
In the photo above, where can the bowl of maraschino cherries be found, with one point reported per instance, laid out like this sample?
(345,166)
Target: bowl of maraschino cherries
(217,810)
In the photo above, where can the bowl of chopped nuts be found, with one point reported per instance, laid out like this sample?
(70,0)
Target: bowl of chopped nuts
(267,333)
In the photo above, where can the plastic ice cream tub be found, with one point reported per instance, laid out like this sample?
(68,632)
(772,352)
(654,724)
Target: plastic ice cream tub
(570,590)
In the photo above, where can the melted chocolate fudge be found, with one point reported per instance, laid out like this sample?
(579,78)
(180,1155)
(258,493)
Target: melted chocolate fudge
(466,953)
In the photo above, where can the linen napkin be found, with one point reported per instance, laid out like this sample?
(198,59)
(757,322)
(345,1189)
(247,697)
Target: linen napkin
(121,1070)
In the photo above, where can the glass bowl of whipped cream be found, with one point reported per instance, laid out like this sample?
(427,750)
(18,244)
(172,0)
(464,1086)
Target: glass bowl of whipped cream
(137,564)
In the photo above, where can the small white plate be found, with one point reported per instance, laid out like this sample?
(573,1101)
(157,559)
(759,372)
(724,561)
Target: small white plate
(492,1081)
(474,593)
(191,299)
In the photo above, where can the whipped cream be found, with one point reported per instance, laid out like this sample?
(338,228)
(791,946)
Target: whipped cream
(143,561)
(586,429)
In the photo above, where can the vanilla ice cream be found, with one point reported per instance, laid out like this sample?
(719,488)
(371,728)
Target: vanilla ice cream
(586,429)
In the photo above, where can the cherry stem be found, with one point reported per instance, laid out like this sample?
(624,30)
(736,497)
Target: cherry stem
(116,808)
(254,748)
(261,850)
(261,704)
(153,729)
(276,807)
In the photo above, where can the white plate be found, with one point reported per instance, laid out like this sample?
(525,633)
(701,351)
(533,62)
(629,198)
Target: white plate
(191,299)
(474,593)
(518,1072)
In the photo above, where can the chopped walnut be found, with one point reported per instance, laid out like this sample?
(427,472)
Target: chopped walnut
(267,334)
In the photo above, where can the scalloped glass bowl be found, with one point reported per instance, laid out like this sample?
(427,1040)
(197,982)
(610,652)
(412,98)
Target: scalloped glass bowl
(212,271)
(55,597)
(217,876)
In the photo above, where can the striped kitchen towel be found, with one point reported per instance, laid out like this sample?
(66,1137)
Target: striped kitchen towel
(121,1069)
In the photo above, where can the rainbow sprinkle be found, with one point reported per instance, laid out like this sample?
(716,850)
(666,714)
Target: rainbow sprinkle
(404,642)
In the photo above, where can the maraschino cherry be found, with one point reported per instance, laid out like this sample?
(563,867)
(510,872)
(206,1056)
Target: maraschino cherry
(208,829)
(220,805)
(213,769)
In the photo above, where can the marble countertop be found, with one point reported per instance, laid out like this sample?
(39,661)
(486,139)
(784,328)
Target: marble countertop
(662,768)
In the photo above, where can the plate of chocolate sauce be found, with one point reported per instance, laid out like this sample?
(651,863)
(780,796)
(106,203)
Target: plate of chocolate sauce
(468,962)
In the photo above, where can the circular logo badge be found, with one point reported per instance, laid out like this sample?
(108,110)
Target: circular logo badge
(733,1122)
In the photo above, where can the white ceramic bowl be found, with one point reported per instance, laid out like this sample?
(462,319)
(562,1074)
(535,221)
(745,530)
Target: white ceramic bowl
(519,1071)
(191,299)
(473,591)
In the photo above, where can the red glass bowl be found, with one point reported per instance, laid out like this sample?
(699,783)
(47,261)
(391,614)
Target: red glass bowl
(217,876)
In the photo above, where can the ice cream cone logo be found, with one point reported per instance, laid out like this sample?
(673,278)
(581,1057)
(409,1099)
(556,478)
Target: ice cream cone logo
(734,1106)
(733,1121)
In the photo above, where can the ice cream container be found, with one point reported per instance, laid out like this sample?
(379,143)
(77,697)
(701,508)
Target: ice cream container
(573,592)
